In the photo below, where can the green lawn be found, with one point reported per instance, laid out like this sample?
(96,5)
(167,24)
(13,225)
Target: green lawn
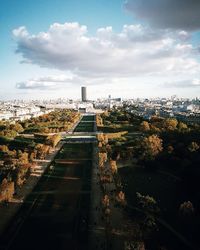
(121,127)
(169,195)
(75,151)
(85,127)
(163,188)
(88,118)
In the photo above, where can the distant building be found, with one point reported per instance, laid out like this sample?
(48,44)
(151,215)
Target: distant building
(82,110)
(117,99)
(83,94)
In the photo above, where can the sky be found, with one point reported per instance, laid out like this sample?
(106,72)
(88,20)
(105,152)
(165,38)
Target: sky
(128,49)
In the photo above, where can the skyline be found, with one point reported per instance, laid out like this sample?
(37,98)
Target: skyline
(128,49)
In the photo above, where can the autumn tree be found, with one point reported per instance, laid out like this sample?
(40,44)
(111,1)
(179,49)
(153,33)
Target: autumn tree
(186,208)
(23,158)
(103,138)
(193,147)
(17,127)
(113,166)
(170,149)
(182,126)
(170,124)
(144,126)
(151,147)
(41,150)
(102,159)
(22,171)
(120,198)
(4,148)
(150,210)
(32,156)
(53,140)
(99,120)
(105,200)
(6,190)
(8,133)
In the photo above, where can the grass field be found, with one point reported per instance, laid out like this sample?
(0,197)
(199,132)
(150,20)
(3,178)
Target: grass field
(75,151)
(164,189)
(168,194)
(86,124)
(88,118)
(85,127)
(56,213)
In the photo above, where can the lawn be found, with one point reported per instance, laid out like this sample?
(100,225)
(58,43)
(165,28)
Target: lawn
(164,189)
(85,127)
(61,205)
(88,118)
(75,151)
(86,124)
(168,194)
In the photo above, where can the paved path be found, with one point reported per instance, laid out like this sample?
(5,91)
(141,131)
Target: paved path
(104,234)
(97,232)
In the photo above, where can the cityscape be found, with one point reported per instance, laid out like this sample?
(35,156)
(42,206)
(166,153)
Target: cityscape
(100,125)
(184,109)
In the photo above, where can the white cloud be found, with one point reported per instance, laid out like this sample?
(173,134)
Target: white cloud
(20,32)
(134,51)
(48,82)
(194,83)
(133,56)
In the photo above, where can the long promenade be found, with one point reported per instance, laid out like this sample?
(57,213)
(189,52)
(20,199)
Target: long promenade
(56,213)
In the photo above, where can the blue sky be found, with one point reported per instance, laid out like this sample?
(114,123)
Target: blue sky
(112,46)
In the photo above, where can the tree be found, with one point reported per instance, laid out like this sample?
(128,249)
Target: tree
(32,156)
(113,166)
(22,171)
(144,126)
(102,159)
(170,124)
(8,133)
(151,147)
(134,245)
(41,151)
(182,126)
(17,127)
(193,147)
(150,210)
(120,198)
(4,148)
(147,203)
(186,208)
(6,190)
(99,120)
(23,159)
(170,149)
(105,201)
(53,140)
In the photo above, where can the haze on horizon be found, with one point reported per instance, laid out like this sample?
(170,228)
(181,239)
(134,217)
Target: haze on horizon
(128,49)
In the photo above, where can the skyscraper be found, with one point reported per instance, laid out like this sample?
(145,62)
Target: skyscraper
(83,94)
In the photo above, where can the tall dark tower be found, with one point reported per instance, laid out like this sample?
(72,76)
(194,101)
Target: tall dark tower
(83,94)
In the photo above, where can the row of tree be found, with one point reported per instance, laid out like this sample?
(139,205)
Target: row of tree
(16,163)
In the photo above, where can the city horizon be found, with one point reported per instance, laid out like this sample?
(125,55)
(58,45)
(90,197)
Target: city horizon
(109,96)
